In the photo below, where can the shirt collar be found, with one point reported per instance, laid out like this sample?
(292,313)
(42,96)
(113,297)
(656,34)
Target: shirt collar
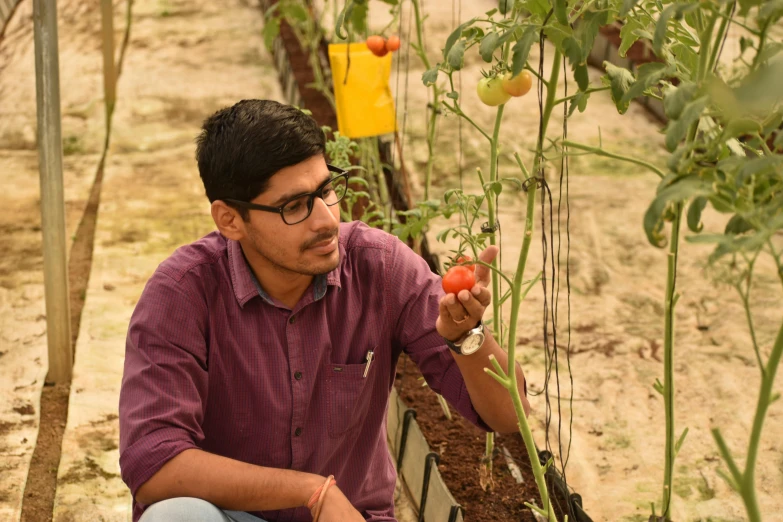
(246,285)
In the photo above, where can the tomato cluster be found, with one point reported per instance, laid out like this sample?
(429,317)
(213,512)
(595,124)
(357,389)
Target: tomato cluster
(497,90)
(380,46)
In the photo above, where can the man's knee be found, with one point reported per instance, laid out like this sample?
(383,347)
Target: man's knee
(184,509)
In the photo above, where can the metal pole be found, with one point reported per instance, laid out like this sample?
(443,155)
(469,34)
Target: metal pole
(109,69)
(50,164)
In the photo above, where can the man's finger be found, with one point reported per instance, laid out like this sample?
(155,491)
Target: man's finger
(472,305)
(483,273)
(482,295)
(455,308)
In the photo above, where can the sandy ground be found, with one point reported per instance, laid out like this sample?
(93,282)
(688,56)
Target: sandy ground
(23,348)
(189,58)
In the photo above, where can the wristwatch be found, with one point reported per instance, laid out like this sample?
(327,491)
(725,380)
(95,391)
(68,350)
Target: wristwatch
(470,343)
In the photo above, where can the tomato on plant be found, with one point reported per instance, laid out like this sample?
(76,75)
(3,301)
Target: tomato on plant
(518,85)
(393,43)
(377,45)
(490,92)
(458,278)
(463,261)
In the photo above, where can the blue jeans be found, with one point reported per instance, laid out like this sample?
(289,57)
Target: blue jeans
(186,509)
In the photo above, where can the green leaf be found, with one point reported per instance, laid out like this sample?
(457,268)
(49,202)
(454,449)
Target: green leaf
(431,76)
(582,78)
(454,95)
(295,12)
(271,32)
(456,57)
(680,441)
(561,11)
(661,27)
(538,7)
(588,29)
(488,45)
(746,5)
(770,12)
(504,6)
(620,80)
(578,101)
(694,213)
(737,225)
(626,8)
(675,99)
(678,191)
(740,127)
(521,49)
(491,12)
(344,15)
(676,130)
(572,50)
(629,35)
(358,17)
(658,386)
(648,76)
(454,36)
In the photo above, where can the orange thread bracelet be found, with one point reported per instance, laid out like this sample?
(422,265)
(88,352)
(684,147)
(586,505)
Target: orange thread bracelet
(321,495)
(314,499)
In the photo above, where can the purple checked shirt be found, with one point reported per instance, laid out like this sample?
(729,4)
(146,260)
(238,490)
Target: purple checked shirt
(213,362)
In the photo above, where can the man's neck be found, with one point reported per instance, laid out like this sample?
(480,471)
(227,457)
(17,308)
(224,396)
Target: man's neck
(283,285)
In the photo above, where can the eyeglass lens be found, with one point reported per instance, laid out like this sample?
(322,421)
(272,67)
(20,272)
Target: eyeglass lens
(299,209)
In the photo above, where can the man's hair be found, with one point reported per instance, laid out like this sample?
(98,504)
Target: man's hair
(241,147)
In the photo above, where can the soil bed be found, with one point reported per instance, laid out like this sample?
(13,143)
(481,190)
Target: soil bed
(461,447)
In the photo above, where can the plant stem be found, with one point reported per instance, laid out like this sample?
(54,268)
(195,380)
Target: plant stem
(435,106)
(765,396)
(668,362)
(601,152)
(588,91)
(721,31)
(516,298)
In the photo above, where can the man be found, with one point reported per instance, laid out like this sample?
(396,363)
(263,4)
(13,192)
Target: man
(260,359)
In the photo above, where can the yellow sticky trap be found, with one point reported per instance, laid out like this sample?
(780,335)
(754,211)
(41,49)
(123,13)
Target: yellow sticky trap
(365,106)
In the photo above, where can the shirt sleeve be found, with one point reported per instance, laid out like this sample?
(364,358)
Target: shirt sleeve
(164,385)
(416,291)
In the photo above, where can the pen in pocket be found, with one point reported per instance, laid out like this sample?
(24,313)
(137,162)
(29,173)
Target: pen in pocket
(370,355)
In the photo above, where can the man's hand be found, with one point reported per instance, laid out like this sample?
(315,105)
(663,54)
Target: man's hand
(461,313)
(337,508)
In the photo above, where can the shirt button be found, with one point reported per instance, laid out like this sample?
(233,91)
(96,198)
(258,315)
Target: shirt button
(298,375)
(298,431)
(292,319)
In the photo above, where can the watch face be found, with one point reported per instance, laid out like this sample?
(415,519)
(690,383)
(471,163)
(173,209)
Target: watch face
(472,343)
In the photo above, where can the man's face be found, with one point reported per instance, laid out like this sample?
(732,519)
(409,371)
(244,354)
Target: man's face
(309,247)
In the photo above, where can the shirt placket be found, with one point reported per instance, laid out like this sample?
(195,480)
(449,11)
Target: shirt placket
(299,384)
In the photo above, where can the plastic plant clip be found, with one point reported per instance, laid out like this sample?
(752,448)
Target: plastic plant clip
(365,105)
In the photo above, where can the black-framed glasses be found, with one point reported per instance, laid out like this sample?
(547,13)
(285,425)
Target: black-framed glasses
(298,208)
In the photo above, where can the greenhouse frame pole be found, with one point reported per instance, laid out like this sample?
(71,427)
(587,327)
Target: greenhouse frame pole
(50,165)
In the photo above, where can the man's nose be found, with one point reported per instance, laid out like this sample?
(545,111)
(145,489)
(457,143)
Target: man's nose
(322,216)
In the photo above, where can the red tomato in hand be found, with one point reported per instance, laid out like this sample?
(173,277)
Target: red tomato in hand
(463,261)
(490,91)
(458,278)
(377,45)
(393,43)
(519,85)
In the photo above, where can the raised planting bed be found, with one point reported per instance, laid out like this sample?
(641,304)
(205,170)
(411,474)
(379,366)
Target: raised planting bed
(460,446)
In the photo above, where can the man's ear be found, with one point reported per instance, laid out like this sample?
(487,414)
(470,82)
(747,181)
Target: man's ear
(228,221)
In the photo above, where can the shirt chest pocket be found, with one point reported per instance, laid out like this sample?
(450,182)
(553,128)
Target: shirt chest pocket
(348,396)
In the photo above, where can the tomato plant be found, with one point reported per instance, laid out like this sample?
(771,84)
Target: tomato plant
(458,278)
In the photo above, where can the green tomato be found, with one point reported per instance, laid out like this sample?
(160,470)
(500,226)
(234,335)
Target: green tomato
(490,92)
